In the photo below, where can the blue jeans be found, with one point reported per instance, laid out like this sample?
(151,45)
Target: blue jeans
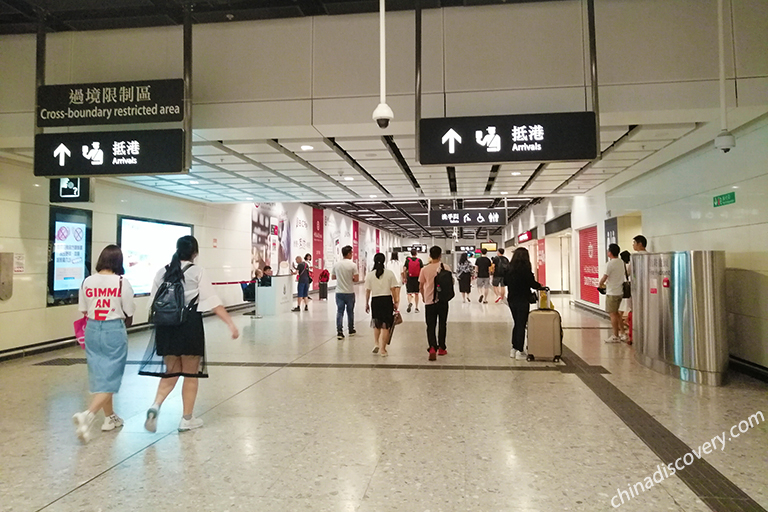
(345,300)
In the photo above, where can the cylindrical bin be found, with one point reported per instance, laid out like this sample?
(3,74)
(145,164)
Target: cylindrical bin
(678,314)
(323,291)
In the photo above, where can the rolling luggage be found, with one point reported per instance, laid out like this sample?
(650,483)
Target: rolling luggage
(545,333)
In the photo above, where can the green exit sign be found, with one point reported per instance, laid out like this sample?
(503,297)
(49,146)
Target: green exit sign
(724,199)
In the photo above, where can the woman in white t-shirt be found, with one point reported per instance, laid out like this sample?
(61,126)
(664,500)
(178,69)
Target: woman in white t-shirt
(107,300)
(382,297)
(179,351)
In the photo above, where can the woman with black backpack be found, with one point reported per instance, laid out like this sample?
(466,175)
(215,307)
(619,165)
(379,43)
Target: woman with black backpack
(519,280)
(179,350)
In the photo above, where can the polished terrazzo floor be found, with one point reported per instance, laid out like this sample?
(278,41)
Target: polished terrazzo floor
(296,420)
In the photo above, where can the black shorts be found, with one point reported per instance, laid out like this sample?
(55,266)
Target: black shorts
(412,284)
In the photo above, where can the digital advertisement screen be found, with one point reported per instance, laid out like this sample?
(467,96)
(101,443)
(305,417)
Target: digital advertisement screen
(488,246)
(147,245)
(69,264)
(69,237)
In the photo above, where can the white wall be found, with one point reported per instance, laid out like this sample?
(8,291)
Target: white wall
(25,319)
(676,203)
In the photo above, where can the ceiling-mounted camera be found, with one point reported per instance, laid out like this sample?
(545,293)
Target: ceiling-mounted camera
(725,141)
(383,115)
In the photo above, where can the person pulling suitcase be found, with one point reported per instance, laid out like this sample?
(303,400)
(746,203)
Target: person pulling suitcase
(520,281)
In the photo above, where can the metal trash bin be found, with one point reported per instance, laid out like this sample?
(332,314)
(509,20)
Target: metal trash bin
(323,291)
(678,314)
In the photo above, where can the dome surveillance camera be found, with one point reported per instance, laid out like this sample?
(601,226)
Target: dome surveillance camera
(383,115)
(725,141)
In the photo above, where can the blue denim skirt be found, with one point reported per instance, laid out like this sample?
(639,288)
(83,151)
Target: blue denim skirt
(106,348)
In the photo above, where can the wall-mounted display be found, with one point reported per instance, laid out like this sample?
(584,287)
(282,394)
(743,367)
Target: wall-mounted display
(69,253)
(147,245)
(489,246)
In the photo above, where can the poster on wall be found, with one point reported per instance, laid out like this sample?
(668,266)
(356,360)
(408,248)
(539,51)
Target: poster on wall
(589,272)
(542,262)
(318,248)
(356,246)
(270,238)
(611,233)
(378,241)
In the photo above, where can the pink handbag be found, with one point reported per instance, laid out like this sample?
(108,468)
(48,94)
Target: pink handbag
(79,326)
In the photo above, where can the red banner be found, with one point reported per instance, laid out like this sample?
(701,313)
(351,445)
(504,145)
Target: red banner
(355,241)
(589,272)
(378,241)
(317,245)
(542,263)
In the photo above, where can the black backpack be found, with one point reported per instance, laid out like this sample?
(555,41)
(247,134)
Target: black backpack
(444,291)
(168,307)
(501,266)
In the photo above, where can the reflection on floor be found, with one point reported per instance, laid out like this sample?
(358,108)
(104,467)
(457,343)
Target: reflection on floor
(296,420)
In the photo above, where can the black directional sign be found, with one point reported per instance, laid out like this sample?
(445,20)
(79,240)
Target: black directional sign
(513,138)
(463,218)
(149,101)
(143,152)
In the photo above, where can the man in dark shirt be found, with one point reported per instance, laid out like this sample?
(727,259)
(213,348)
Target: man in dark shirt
(500,264)
(483,265)
(302,271)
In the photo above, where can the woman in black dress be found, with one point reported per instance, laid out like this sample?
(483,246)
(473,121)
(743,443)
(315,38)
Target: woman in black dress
(464,270)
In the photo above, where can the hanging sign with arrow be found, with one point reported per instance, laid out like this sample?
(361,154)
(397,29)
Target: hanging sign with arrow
(143,152)
(514,138)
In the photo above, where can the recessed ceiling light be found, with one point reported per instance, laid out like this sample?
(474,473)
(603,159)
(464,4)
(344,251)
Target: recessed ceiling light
(249,199)
(735,186)
(307,147)
(349,178)
(37,184)
(515,173)
(372,196)
(194,182)
(504,193)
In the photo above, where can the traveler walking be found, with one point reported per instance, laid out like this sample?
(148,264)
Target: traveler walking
(612,282)
(396,268)
(346,274)
(464,271)
(179,350)
(436,311)
(520,281)
(382,297)
(499,268)
(107,301)
(411,272)
(302,270)
(483,265)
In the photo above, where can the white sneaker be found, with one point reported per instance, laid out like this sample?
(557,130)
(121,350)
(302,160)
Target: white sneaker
(190,424)
(83,421)
(521,356)
(111,423)
(151,423)
(513,353)
(613,339)
(624,338)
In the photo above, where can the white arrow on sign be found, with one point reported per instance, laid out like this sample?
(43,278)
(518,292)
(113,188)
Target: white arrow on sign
(61,152)
(452,138)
